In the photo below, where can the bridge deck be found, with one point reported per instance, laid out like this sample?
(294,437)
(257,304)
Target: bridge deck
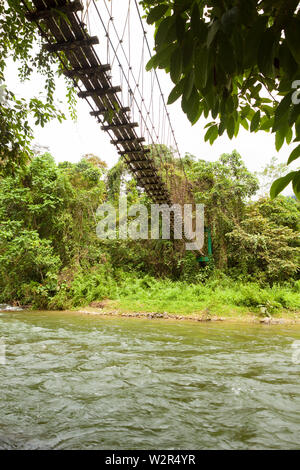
(65,32)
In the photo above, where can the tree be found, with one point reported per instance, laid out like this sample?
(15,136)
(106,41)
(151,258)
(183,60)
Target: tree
(266,243)
(223,187)
(236,61)
(18,39)
(47,223)
(267,175)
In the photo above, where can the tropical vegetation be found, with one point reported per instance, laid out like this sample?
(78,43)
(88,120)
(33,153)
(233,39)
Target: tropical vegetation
(50,256)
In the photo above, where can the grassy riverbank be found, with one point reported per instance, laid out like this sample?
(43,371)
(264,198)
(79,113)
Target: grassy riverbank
(52,259)
(215,299)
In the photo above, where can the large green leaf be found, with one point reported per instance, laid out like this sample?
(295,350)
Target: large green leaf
(292,33)
(193,108)
(176,65)
(255,121)
(279,140)
(162,32)
(294,155)
(282,111)
(252,41)
(156,13)
(226,56)
(201,67)
(211,134)
(265,56)
(229,19)
(213,29)
(176,92)
(296,184)
(189,85)
(230,124)
(281,183)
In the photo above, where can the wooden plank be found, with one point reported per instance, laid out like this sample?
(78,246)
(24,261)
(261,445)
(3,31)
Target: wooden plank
(53,12)
(71,45)
(133,152)
(159,187)
(87,71)
(136,162)
(128,141)
(99,92)
(105,110)
(146,170)
(112,127)
(148,179)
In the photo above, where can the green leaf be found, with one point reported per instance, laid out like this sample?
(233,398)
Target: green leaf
(226,57)
(265,57)
(208,133)
(255,121)
(180,27)
(230,126)
(176,65)
(230,104)
(222,127)
(213,29)
(193,108)
(189,84)
(162,58)
(289,135)
(286,60)
(279,139)
(211,134)
(281,183)
(163,30)
(176,92)
(245,124)
(266,124)
(151,63)
(282,111)
(296,185)
(294,155)
(195,19)
(188,47)
(252,41)
(201,67)
(292,33)
(156,13)
(229,19)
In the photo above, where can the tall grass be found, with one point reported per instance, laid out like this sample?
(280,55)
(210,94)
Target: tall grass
(219,295)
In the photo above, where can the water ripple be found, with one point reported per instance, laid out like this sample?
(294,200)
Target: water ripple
(76,382)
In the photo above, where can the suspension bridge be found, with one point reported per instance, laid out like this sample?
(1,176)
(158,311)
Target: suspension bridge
(103,49)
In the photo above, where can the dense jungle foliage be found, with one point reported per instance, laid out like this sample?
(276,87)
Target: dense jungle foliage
(50,256)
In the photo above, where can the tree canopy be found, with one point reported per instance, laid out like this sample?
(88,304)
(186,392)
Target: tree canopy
(235,61)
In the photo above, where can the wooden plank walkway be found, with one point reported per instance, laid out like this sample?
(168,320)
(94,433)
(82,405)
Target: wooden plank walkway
(68,34)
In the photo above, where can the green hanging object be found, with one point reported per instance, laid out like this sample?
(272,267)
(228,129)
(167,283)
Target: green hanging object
(206,259)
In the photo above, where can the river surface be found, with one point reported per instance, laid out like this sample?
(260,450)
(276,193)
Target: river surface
(71,381)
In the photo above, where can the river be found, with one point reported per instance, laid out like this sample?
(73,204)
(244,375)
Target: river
(71,381)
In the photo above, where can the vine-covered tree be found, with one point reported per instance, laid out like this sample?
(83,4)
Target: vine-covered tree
(236,61)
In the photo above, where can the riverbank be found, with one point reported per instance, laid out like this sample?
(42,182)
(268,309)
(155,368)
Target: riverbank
(111,309)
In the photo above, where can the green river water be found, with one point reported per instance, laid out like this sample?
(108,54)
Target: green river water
(72,381)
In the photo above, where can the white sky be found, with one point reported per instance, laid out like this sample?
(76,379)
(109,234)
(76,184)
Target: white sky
(71,140)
